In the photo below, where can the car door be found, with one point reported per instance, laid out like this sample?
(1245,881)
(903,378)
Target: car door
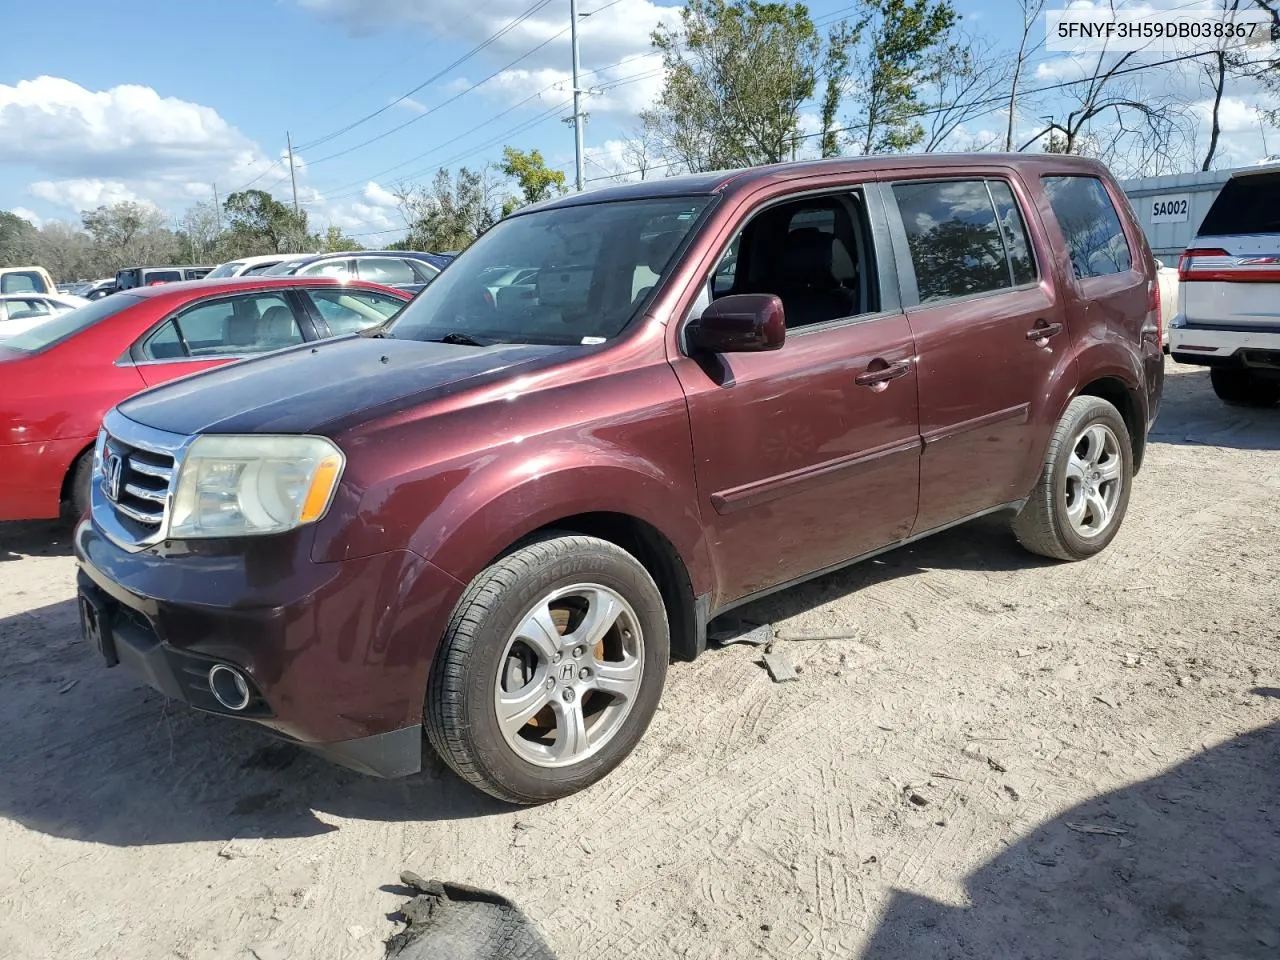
(344,310)
(990,338)
(218,330)
(807,456)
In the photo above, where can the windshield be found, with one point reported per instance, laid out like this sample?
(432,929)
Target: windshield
(570,274)
(285,268)
(64,325)
(226,270)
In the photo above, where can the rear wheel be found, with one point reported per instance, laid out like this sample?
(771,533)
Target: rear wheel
(1080,500)
(550,670)
(1239,387)
(81,476)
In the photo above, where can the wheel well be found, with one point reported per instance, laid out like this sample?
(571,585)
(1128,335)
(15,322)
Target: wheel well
(656,555)
(1117,394)
(68,478)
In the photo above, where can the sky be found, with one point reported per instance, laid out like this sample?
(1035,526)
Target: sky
(166,102)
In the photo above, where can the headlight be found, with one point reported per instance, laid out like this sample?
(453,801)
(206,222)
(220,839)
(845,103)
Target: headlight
(232,486)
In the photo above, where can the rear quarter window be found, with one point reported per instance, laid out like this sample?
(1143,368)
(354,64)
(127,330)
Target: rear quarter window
(1090,225)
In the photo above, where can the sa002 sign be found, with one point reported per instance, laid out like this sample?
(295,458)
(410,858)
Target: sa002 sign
(1170,208)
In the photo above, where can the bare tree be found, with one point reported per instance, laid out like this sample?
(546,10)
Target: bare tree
(1027,48)
(966,77)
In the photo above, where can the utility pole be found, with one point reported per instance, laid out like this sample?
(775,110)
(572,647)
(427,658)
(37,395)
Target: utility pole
(577,96)
(292,176)
(217,207)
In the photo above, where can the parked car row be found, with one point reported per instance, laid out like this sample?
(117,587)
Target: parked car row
(492,518)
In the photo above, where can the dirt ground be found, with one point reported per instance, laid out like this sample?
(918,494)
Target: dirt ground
(1007,759)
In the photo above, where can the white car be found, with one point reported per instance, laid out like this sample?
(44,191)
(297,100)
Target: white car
(1168,280)
(20,312)
(1229,317)
(252,266)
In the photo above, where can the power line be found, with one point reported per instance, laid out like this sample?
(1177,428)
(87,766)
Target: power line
(934,110)
(493,38)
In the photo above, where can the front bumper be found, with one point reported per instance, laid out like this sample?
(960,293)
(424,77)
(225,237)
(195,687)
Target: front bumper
(336,655)
(1205,345)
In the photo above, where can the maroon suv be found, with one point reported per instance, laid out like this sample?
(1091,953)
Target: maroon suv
(497,516)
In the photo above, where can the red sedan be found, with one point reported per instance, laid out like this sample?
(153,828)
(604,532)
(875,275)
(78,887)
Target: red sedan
(58,380)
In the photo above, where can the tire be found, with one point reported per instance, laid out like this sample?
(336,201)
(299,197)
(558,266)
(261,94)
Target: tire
(78,492)
(1074,511)
(1240,388)
(553,680)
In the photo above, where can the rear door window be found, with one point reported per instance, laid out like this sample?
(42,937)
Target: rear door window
(1245,205)
(1090,225)
(350,311)
(385,270)
(962,243)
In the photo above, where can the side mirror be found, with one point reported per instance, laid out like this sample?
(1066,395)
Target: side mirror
(744,323)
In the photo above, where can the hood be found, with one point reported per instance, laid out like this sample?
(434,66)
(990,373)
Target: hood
(325,387)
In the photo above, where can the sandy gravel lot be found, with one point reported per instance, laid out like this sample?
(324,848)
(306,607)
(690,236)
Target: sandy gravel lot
(1006,759)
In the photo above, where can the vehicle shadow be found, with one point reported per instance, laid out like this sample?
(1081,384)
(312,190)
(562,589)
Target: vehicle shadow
(1184,865)
(92,754)
(35,538)
(1191,414)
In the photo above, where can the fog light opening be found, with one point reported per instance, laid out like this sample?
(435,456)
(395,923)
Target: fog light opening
(229,687)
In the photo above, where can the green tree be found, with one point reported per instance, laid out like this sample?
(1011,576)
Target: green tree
(17,237)
(737,72)
(893,49)
(259,223)
(129,234)
(536,181)
(199,234)
(449,214)
(335,241)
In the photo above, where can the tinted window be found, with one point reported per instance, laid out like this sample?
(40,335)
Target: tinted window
(1090,225)
(227,328)
(1245,205)
(26,309)
(1021,263)
(21,281)
(64,325)
(163,276)
(585,285)
(350,311)
(385,270)
(226,270)
(955,240)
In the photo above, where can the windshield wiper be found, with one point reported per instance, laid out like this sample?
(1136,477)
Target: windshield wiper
(462,340)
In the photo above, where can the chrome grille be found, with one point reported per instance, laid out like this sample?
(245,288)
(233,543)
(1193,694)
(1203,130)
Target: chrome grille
(134,471)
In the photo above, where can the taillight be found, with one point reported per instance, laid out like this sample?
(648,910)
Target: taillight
(1211,263)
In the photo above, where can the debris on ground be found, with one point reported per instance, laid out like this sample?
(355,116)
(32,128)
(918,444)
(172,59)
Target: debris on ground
(67,686)
(780,667)
(269,951)
(816,636)
(459,922)
(238,849)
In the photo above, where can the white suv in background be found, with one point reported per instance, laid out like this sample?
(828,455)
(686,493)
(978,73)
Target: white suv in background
(1229,319)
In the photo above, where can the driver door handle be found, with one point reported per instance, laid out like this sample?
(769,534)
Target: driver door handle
(884,374)
(1043,331)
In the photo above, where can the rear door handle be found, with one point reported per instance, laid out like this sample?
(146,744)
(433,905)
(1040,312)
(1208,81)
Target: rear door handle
(891,371)
(1043,331)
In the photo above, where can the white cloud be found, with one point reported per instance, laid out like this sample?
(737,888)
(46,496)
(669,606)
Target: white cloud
(374,216)
(411,105)
(84,193)
(126,131)
(379,195)
(30,216)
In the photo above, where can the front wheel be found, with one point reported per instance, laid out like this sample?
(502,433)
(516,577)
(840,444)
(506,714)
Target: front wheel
(1241,388)
(1081,497)
(550,670)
